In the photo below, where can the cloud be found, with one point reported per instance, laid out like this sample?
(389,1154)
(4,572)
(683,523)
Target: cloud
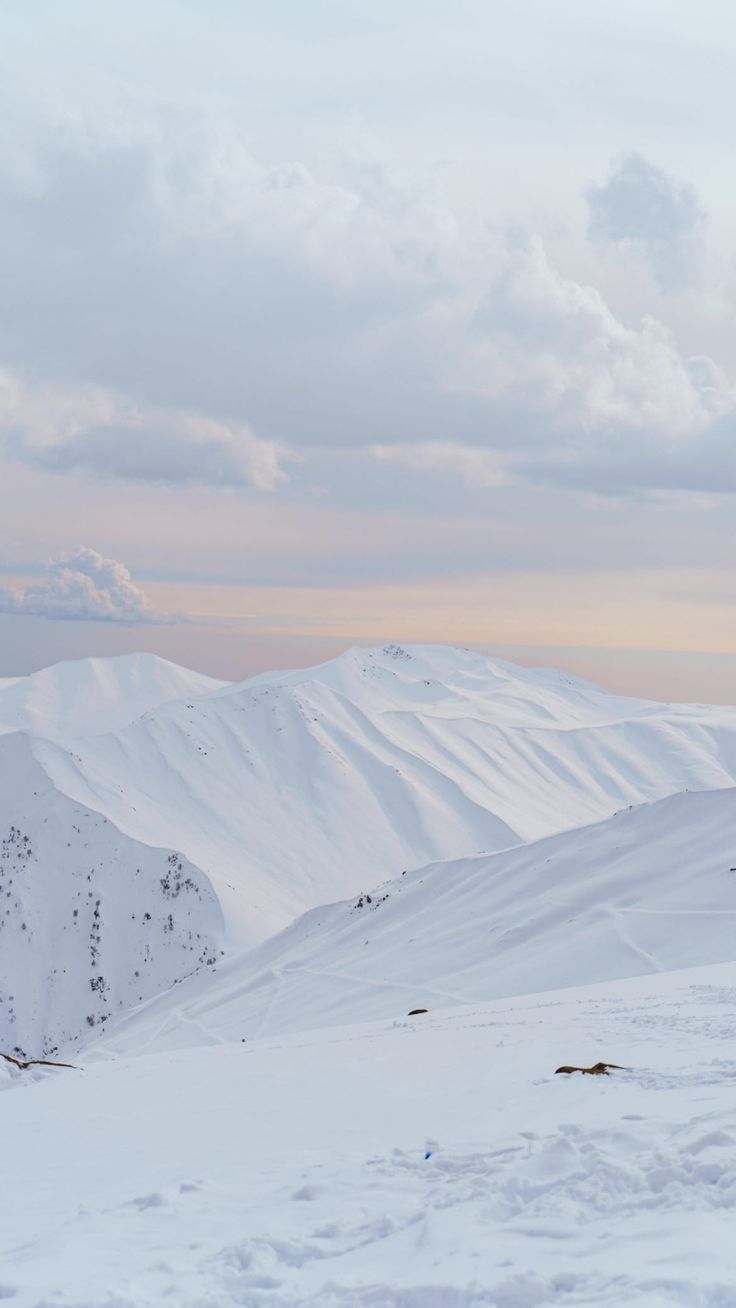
(63,428)
(555,344)
(636,463)
(344,302)
(82,586)
(359,223)
(475,466)
(647,207)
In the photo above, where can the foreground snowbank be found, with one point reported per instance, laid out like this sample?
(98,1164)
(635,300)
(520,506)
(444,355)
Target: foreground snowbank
(291,1171)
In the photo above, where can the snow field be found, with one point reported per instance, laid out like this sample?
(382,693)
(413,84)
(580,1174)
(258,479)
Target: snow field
(290,1171)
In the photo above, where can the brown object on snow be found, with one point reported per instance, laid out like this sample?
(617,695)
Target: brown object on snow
(413,1011)
(598,1069)
(34,1062)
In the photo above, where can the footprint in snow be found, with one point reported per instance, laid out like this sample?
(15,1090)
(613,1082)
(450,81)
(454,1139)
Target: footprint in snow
(142,1202)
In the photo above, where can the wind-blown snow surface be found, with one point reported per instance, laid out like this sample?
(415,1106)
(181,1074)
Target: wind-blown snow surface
(292,1172)
(286,792)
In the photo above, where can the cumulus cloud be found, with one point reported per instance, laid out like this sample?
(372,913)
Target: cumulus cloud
(361,223)
(346,303)
(63,428)
(557,344)
(641,204)
(81,586)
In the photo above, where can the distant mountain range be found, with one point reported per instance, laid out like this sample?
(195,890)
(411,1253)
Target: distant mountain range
(155,822)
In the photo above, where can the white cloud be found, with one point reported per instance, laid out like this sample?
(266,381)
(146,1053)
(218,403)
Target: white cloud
(83,586)
(66,427)
(342,301)
(358,219)
(645,206)
(556,344)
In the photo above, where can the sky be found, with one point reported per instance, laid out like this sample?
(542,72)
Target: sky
(338,323)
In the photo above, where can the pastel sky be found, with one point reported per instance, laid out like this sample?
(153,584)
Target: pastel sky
(333,322)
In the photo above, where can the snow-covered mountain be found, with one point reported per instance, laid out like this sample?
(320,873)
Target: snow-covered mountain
(87,696)
(286,792)
(272,1129)
(652,889)
(294,789)
(91,921)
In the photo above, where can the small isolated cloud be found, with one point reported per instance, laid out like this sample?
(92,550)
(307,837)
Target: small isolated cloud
(81,586)
(648,208)
(64,428)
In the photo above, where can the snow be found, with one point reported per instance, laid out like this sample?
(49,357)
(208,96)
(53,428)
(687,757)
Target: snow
(291,1171)
(91,922)
(652,889)
(293,790)
(547,869)
(87,696)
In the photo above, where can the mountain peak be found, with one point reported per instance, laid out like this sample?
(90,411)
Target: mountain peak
(93,695)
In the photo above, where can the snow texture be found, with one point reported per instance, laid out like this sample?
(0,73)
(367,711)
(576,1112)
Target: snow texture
(292,1172)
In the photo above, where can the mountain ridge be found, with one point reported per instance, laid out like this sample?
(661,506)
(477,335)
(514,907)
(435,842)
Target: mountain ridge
(77,696)
(379,760)
(648,890)
(289,791)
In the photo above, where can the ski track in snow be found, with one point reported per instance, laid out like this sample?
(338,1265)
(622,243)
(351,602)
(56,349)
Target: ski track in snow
(618,917)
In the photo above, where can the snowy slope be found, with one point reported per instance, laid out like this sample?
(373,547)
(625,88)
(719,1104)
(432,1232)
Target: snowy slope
(91,921)
(87,696)
(292,1172)
(649,890)
(290,791)
(294,789)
